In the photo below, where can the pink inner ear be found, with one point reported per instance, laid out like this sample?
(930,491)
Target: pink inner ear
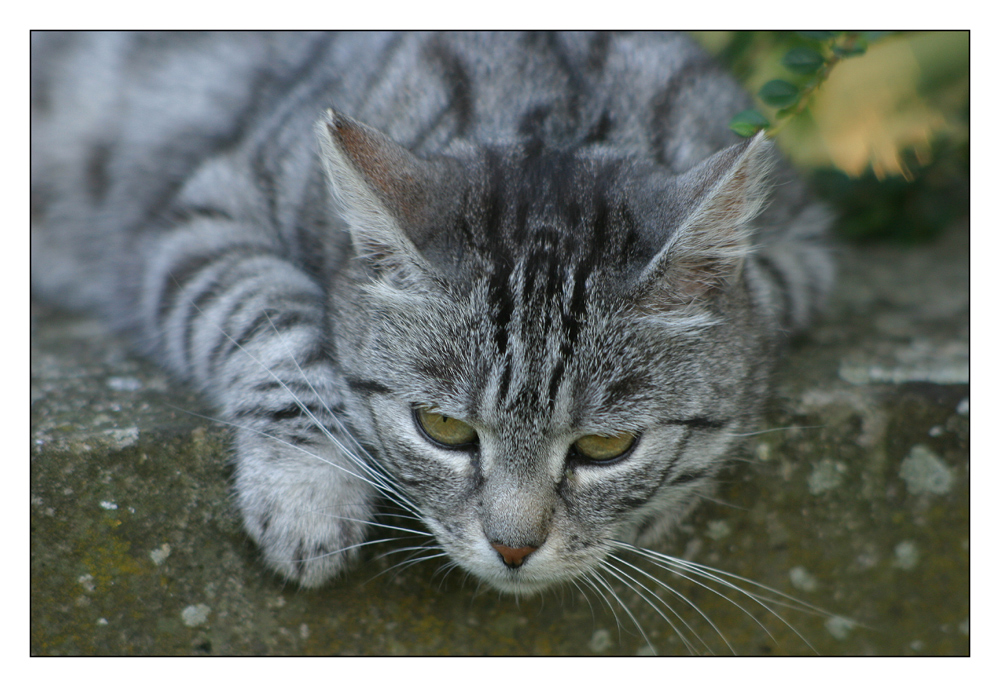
(689,279)
(710,245)
(704,259)
(388,168)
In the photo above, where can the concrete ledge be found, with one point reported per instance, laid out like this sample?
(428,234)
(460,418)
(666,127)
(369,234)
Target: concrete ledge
(857,501)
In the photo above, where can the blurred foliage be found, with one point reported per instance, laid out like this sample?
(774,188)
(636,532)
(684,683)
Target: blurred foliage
(880,119)
(811,62)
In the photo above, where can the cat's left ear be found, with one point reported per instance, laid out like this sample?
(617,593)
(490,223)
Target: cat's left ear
(386,193)
(718,200)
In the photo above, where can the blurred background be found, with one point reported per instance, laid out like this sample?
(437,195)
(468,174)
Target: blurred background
(879,120)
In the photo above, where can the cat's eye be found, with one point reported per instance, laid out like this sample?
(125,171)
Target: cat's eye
(444,430)
(604,448)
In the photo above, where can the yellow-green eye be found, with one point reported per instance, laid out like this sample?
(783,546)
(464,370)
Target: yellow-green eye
(443,429)
(596,447)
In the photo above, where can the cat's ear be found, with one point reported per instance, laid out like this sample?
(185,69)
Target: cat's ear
(706,249)
(384,191)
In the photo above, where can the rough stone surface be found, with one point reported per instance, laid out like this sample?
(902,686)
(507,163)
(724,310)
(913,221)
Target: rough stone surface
(135,548)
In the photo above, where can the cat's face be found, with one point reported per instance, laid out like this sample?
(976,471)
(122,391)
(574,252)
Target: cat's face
(521,376)
(530,449)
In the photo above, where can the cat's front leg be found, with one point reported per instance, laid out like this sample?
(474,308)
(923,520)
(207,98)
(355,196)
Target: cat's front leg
(228,312)
(305,488)
(302,504)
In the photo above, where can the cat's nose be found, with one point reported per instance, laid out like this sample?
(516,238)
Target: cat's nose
(513,558)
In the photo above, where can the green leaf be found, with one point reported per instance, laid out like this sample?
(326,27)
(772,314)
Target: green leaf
(803,60)
(818,35)
(858,47)
(779,93)
(748,122)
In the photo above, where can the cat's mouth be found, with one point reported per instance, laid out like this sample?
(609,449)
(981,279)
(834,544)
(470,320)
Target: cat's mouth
(522,581)
(523,588)
(520,571)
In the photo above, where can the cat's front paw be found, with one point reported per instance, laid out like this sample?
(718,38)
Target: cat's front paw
(308,516)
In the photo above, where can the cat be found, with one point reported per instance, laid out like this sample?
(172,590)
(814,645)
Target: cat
(525,288)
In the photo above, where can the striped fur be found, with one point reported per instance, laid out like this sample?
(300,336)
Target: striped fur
(545,236)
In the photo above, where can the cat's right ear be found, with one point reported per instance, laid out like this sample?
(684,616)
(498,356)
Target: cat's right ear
(384,191)
(717,201)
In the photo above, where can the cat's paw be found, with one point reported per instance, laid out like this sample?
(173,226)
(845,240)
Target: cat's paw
(308,516)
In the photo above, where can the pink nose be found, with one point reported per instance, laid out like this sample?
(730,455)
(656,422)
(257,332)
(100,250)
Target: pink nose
(513,558)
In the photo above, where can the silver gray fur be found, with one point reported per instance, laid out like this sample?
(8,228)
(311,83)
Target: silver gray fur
(543,235)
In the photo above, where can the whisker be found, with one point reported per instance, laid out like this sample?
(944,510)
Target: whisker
(593,585)
(393,510)
(684,599)
(342,550)
(386,526)
(628,611)
(701,584)
(388,494)
(675,565)
(721,502)
(444,570)
(404,549)
(378,480)
(586,598)
(365,465)
(402,565)
(703,569)
(632,584)
(772,429)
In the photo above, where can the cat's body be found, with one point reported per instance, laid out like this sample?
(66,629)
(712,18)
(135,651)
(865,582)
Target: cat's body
(545,261)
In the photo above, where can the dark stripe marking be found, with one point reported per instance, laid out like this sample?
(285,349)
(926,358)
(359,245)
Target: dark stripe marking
(97,176)
(663,104)
(178,278)
(367,385)
(700,423)
(781,284)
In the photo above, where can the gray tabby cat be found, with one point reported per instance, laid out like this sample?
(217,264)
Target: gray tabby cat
(524,287)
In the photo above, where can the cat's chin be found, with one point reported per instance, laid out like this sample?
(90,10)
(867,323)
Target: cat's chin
(521,587)
(524,581)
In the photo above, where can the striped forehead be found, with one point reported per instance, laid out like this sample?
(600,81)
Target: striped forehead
(549,214)
(549,230)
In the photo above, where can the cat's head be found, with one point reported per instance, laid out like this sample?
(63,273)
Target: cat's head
(550,347)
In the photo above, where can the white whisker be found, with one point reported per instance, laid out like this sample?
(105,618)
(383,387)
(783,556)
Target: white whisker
(342,550)
(377,480)
(587,579)
(633,583)
(235,425)
(444,570)
(385,484)
(676,565)
(386,526)
(402,565)
(706,570)
(773,429)
(683,598)
(583,592)
(621,603)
